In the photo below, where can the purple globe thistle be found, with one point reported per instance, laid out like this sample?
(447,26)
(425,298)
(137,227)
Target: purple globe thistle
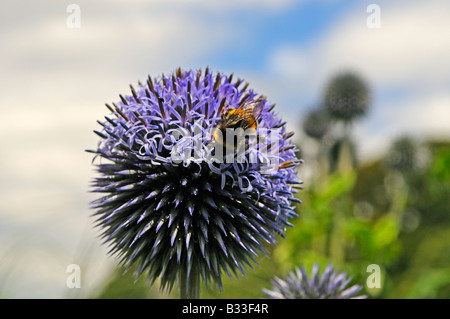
(173,210)
(329,285)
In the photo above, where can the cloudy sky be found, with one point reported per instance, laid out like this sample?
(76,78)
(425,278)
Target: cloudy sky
(54,81)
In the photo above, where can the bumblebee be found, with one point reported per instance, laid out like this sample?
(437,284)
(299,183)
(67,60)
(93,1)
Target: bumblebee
(244,117)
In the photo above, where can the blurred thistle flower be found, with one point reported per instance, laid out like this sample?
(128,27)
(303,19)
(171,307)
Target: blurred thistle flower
(406,155)
(346,97)
(170,211)
(329,285)
(316,124)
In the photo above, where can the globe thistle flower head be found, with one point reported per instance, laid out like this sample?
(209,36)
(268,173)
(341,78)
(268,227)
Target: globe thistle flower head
(170,207)
(406,155)
(316,124)
(328,285)
(346,97)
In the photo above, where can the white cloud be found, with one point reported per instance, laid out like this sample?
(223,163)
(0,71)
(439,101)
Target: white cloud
(428,114)
(424,116)
(223,5)
(408,54)
(105,45)
(412,46)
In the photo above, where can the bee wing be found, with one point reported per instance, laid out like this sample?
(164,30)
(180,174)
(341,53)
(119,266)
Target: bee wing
(253,107)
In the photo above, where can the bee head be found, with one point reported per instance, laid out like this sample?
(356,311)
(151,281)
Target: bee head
(226,114)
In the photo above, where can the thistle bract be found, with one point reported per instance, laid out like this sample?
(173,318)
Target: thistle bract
(170,208)
(329,285)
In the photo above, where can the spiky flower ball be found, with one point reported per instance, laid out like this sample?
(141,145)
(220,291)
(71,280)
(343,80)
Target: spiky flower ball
(171,211)
(330,285)
(346,97)
(406,155)
(316,124)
